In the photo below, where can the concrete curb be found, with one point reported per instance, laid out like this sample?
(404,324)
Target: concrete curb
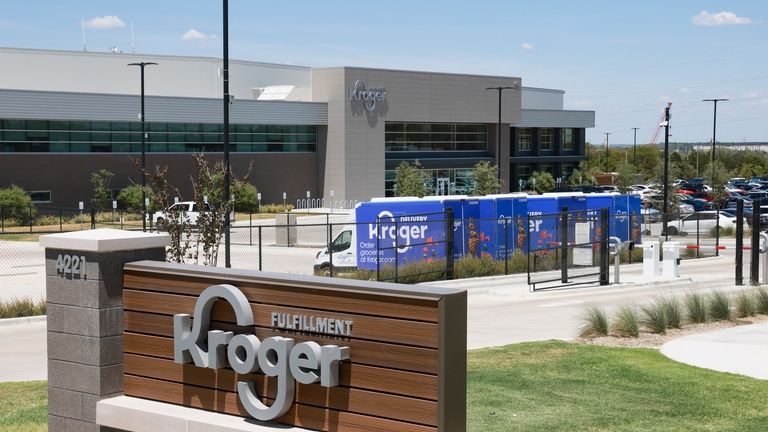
(7,322)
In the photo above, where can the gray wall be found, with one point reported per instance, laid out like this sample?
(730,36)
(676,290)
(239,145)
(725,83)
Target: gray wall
(354,157)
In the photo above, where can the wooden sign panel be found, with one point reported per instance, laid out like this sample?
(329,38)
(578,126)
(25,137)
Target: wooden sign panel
(404,367)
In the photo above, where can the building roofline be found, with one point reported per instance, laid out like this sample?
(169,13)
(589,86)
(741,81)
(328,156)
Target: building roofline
(418,72)
(544,90)
(148,56)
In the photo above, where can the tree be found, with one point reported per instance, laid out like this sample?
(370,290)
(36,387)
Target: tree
(541,182)
(749,170)
(129,198)
(410,180)
(15,204)
(209,183)
(100,181)
(625,178)
(246,196)
(486,178)
(716,177)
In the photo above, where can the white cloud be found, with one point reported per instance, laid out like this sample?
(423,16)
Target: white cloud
(526,46)
(104,22)
(724,18)
(194,35)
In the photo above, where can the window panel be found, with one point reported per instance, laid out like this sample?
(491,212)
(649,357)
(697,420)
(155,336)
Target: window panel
(524,139)
(545,139)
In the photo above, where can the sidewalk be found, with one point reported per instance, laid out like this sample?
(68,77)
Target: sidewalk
(741,350)
(23,349)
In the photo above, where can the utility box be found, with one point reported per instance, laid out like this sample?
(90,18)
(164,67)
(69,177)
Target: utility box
(671,255)
(650,259)
(285,232)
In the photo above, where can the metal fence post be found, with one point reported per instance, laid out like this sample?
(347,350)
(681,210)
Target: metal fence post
(698,234)
(250,229)
(630,238)
(329,238)
(449,244)
(378,249)
(260,256)
(2,218)
(397,246)
(739,242)
(506,246)
(30,218)
(604,263)
(61,221)
(754,264)
(122,219)
(93,216)
(564,245)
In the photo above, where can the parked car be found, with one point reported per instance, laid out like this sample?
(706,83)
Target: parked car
(703,222)
(650,215)
(698,204)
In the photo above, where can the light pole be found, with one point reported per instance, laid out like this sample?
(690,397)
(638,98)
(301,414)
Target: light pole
(607,134)
(142,65)
(227,101)
(717,204)
(664,216)
(498,133)
(634,148)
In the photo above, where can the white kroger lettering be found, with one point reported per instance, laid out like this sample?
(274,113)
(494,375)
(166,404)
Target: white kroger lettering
(369,97)
(388,230)
(276,356)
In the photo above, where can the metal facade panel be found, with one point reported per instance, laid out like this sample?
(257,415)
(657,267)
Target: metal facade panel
(110,107)
(556,118)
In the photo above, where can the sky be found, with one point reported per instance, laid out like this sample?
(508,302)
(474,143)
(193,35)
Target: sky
(623,60)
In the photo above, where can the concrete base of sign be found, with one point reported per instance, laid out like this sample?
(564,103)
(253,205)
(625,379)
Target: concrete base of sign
(141,415)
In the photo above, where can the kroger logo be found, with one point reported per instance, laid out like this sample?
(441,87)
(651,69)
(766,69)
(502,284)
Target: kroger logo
(388,229)
(369,97)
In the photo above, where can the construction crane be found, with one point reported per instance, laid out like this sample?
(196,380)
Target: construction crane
(659,125)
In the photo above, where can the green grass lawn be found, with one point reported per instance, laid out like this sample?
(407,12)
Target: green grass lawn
(552,386)
(24,406)
(558,386)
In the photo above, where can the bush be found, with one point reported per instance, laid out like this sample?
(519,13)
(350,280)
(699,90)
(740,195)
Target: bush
(724,232)
(654,318)
(130,199)
(673,311)
(762,300)
(470,267)
(594,322)
(22,308)
(720,306)
(46,220)
(246,196)
(276,208)
(696,308)
(626,323)
(16,205)
(746,305)
(637,255)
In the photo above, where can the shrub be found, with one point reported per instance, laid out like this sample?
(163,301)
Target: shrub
(46,220)
(654,318)
(626,323)
(22,308)
(130,198)
(276,208)
(696,308)
(246,196)
(470,267)
(746,305)
(637,255)
(15,205)
(594,322)
(724,232)
(673,311)
(720,306)
(762,300)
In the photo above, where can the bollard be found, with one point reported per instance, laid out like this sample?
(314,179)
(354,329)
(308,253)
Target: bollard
(614,249)
(764,255)
(671,253)
(650,259)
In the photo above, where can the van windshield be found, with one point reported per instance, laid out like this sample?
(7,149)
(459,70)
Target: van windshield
(342,242)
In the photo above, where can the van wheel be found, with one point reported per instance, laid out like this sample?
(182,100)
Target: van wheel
(672,231)
(325,271)
(160,224)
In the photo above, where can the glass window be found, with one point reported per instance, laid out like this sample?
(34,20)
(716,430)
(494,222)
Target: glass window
(566,138)
(524,139)
(435,137)
(545,139)
(40,196)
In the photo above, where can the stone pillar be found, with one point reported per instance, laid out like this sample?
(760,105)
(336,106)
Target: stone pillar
(85,319)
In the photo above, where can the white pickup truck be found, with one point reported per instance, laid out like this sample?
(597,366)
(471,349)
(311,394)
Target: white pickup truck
(189,210)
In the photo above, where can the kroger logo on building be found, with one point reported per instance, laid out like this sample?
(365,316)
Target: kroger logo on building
(369,97)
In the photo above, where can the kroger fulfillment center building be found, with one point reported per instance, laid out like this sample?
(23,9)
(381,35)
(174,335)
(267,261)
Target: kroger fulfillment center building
(65,114)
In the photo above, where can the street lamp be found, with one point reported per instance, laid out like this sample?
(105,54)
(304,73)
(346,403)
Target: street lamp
(142,65)
(714,134)
(498,130)
(664,216)
(634,148)
(227,102)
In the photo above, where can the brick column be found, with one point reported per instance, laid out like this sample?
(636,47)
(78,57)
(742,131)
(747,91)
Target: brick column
(85,319)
